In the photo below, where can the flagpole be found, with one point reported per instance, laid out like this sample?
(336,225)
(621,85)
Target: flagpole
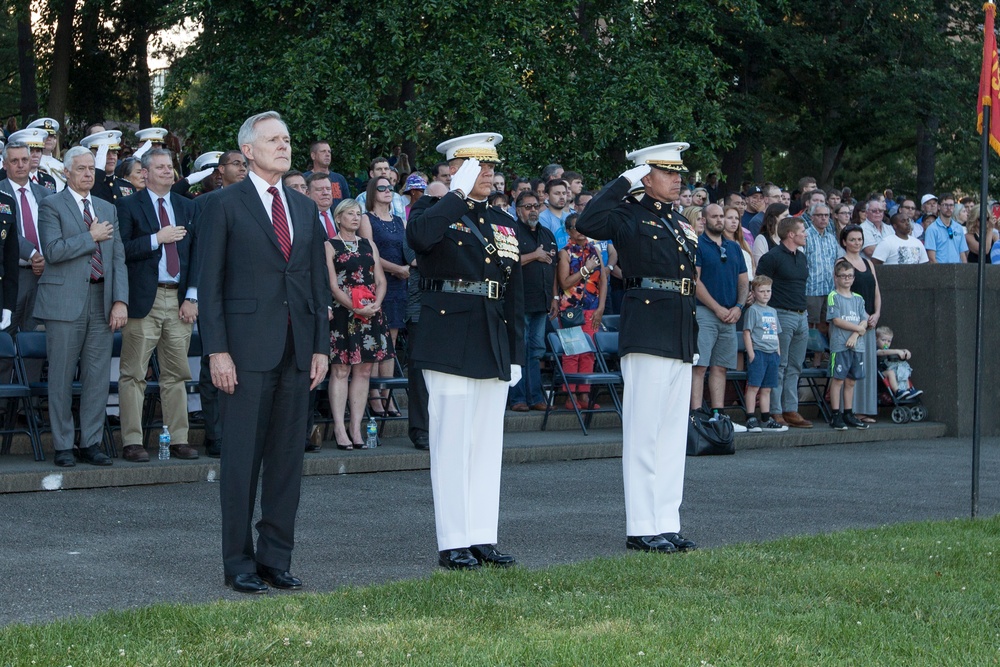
(988,98)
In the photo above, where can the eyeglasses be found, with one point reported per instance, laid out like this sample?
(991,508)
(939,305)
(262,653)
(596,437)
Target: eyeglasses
(235,163)
(383,188)
(876,210)
(531,207)
(951,233)
(845,275)
(909,207)
(571,228)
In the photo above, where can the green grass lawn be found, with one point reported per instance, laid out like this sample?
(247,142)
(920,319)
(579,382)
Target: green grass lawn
(914,594)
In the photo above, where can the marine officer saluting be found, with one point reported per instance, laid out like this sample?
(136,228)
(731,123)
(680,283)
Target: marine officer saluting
(657,340)
(469,346)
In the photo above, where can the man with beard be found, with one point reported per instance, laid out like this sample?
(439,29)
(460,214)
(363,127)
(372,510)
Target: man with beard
(554,216)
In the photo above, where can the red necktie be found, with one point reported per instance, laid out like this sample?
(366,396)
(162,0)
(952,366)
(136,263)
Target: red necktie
(28,221)
(331,231)
(173,259)
(34,179)
(280,222)
(96,261)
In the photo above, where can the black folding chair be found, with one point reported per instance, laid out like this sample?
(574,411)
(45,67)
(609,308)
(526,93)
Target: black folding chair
(398,382)
(596,380)
(16,394)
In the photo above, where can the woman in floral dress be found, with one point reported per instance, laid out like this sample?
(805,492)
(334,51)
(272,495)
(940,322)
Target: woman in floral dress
(359,336)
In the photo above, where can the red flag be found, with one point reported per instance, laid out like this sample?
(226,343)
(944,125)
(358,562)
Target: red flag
(989,81)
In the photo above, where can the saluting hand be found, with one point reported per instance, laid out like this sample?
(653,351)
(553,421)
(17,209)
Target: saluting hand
(466,176)
(636,174)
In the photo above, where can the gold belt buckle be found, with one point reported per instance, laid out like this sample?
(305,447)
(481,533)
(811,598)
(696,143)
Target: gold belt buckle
(686,289)
(494,289)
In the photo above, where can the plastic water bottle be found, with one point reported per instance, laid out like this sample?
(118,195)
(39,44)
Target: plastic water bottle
(371,441)
(165,444)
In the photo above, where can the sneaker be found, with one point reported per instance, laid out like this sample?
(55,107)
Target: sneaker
(914,392)
(852,420)
(902,394)
(753,425)
(772,425)
(837,423)
(739,428)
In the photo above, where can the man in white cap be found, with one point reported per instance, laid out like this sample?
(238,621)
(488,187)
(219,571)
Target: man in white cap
(656,252)
(35,139)
(49,163)
(105,146)
(469,346)
(207,172)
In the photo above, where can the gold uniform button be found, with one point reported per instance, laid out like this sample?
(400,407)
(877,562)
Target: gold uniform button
(657,205)
(442,312)
(655,237)
(481,221)
(487,260)
(459,243)
(647,302)
(682,267)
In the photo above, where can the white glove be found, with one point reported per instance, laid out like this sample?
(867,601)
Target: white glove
(101,159)
(515,372)
(199,176)
(636,174)
(142,149)
(5,320)
(466,176)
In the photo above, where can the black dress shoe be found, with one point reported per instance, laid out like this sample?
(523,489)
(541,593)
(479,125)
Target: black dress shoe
(64,458)
(246,583)
(92,455)
(487,554)
(421,442)
(650,543)
(213,448)
(278,578)
(457,559)
(679,542)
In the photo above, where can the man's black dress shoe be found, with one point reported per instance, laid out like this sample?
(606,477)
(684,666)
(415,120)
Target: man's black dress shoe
(421,442)
(278,578)
(487,554)
(458,559)
(246,583)
(650,543)
(679,542)
(64,458)
(213,448)
(92,455)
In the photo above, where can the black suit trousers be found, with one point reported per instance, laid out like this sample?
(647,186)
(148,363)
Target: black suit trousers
(416,389)
(263,422)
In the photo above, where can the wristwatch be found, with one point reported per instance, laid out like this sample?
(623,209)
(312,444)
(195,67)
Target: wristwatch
(194,301)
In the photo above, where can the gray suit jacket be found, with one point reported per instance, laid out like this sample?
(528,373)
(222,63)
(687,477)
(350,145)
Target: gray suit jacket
(67,246)
(41,192)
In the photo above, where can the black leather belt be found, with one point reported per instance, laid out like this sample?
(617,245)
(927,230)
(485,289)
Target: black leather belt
(96,282)
(683,286)
(491,289)
(167,285)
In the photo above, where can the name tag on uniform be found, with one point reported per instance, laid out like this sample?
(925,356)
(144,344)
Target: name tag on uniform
(5,209)
(459,227)
(506,242)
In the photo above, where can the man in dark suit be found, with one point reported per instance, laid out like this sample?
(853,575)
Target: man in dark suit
(657,253)
(469,345)
(27,196)
(163,304)
(8,250)
(83,299)
(264,290)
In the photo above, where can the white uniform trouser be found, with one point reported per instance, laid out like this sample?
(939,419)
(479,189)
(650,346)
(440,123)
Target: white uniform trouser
(654,425)
(466,439)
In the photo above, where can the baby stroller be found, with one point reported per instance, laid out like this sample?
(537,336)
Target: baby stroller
(905,409)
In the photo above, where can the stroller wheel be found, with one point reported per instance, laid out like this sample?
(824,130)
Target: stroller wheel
(918,413)
(900,415)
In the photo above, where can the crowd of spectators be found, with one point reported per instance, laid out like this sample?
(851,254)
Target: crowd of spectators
(791,246)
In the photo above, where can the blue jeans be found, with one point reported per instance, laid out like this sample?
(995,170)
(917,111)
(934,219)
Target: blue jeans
(529,389)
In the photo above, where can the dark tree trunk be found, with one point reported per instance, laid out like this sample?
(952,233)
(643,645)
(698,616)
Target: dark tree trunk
(144,92)
(62,56)
(26,64)
(927,129)
(732,167)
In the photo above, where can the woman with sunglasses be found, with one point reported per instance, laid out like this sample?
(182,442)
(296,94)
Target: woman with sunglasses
(852,239)
(387,232)
(584,283)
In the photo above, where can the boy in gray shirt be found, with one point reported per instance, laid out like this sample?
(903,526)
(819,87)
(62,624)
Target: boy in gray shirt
(760,337)
(845,310)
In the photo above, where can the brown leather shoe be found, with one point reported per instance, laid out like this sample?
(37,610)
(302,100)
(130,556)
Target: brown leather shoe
(519,407)
(540,406)
(779,419)
(135,454)
(795,420)
(183,452)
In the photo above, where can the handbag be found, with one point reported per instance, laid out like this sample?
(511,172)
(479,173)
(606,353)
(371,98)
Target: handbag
(710,438)
(571,317)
